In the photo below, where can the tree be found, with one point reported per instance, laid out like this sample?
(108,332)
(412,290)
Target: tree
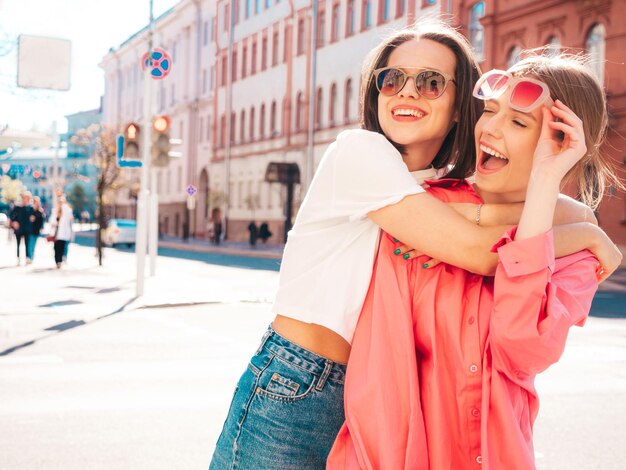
(101,140)
(77,198)
(10,189)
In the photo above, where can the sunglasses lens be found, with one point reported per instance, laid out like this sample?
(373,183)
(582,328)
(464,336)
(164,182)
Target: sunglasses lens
(491,85)
(390,81)
(525,94)
(430,84)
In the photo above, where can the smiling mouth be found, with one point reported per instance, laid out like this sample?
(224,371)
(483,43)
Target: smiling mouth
(491,160)
(407,112)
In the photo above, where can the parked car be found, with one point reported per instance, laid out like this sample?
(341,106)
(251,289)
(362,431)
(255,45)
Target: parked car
(120,231)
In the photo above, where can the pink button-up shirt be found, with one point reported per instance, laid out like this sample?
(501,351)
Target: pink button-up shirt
(441,373)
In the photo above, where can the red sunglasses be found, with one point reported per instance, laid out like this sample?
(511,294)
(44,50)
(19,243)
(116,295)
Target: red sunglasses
(526,95)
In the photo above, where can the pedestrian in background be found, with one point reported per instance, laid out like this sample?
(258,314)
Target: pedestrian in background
(62,229)
(264,232)
(254,233)
(22,224)
(39,217)
(216,218)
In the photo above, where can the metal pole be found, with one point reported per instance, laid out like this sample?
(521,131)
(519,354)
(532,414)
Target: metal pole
(308,173)
(229,110)
(153,223)
(142,202)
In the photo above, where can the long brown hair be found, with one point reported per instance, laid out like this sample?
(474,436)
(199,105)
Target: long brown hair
(571,81)
(458,148)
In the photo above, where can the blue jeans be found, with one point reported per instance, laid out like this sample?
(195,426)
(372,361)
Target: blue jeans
(286,411)
(32,243)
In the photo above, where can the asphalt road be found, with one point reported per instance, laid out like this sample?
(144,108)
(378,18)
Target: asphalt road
(102,381)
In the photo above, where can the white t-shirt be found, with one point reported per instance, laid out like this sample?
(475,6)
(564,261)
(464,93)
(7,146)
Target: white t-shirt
(328,260)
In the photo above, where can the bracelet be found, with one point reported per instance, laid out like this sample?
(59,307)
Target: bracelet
(477,219)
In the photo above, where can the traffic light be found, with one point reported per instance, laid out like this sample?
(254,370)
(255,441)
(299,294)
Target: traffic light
(131,142)
(160,141)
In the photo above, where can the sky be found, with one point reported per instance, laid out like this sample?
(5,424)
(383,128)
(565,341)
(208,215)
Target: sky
(92,26)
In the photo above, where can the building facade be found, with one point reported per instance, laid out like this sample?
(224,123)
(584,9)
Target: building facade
(241,93)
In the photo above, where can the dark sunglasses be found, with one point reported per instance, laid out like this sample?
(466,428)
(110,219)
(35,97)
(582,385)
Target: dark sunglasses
(430,84)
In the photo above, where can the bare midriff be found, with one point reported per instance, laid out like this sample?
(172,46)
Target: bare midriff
(315,338)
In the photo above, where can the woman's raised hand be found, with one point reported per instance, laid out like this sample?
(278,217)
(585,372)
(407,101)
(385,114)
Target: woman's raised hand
(561,143)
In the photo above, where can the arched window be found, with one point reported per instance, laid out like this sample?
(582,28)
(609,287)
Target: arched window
(252,123)
(554,46)
(262,122)
(595,45)
(347,100)
(318,108)
(242,126)
(513,56)
(273,130)
(332,104)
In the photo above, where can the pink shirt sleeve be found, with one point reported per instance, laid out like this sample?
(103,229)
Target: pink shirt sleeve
(536,300)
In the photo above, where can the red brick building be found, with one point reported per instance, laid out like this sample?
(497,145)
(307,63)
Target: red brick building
(500,29)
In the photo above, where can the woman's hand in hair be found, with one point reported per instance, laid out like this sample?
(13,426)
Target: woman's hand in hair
(555,156)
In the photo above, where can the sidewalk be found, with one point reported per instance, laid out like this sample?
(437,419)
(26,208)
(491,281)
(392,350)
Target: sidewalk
(269,251)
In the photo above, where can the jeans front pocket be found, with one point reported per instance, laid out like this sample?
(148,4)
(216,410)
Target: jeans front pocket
(282,380)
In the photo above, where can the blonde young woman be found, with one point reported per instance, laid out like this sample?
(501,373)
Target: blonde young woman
(443,362)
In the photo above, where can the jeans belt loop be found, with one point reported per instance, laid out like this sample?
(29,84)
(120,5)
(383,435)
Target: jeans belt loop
(324,376)
(266,336)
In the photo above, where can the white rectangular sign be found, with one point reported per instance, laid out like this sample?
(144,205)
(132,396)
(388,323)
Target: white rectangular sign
(44,62)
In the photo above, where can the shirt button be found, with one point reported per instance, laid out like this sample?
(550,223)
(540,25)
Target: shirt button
(473,368)
(479,460)
(475,412)
(471,320)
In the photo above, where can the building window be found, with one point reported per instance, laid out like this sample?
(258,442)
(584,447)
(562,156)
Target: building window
(595,45)
(299,111)
(347,100)
(242,126)
(208,127)
(275,49)
(232,127)
(334,33)
(236,11)
(205,33)
(253,64)
(429,2)
(252,123)
(400,6)
(476,30)
(301,38)
(332,104)
(248,8)
(321,26)
(233,67)
(350,18)
(211,77)
(554,46)
(383,10)
(262,122)
(226,17)
(222,130)
(366,14)
(244,61)
(224,70)
(205,83)
(201,129)
(264,53)
(257,6)
(513,56)
(273,131)
(318,108)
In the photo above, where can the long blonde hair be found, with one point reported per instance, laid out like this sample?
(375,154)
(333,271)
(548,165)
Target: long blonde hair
(571,81)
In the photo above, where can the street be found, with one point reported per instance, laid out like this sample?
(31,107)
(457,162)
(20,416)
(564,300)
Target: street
(92,378)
